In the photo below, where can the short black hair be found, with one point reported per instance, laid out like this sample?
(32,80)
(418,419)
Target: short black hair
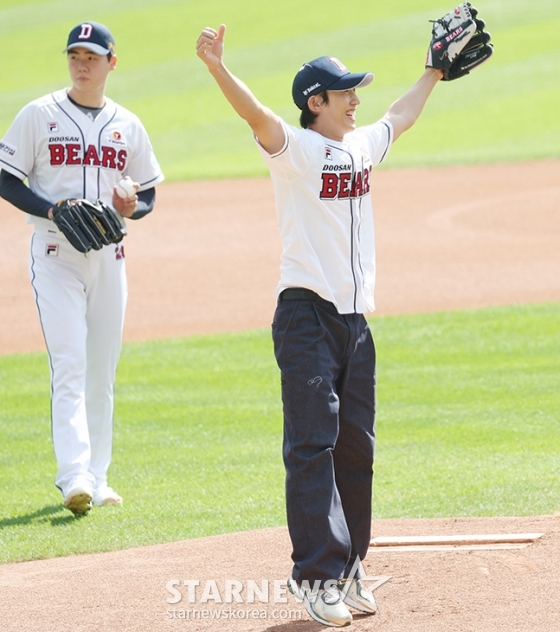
(307,117)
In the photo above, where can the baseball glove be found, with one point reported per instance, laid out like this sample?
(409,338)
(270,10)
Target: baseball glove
(88,225)
(450,35)
(476,52)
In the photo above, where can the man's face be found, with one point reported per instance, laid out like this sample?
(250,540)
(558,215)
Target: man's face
(343,105)
(338,117)
(89,71)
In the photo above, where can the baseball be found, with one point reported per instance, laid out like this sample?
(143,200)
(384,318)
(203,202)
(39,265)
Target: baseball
(126,188)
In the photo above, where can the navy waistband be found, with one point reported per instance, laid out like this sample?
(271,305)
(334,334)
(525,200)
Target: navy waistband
(298,294)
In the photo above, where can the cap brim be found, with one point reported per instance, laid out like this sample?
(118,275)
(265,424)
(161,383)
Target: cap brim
(352,80)
(94,48)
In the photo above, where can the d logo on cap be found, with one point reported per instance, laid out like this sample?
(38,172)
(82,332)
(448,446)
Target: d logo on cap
(93,36)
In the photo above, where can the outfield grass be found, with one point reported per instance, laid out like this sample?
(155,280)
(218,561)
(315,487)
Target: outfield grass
(468,406)
(467,425)
(505,111)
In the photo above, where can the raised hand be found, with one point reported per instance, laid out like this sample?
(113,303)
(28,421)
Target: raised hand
(210,45)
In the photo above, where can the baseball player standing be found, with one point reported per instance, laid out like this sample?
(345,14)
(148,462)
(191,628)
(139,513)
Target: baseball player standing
(77,144)
(323,345)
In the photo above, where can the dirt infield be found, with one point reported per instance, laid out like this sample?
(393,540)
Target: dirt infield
(431,591)
(207,261)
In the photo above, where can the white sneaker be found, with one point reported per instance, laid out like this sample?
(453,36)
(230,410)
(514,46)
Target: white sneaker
(356,596)
(324,605)
(105,495)
(78,500)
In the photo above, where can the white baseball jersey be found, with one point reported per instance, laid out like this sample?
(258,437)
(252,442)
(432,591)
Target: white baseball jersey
(325,214)
(65,154)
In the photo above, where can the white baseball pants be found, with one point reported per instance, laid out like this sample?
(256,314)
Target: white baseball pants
(81,301)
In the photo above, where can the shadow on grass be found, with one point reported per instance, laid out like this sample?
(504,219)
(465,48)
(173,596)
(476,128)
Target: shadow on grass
(50,513)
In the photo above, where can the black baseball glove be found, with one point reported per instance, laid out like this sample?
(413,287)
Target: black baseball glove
(450,35)
(476,52)
(88,225)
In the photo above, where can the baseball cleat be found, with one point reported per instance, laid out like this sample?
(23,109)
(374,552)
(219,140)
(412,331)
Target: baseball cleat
(105,495)
(78,501)
(356,596)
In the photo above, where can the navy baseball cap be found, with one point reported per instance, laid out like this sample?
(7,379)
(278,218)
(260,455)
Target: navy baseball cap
(91,35)
(325,73)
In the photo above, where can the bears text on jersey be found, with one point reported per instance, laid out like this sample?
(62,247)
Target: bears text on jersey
(73,154)
(342,185)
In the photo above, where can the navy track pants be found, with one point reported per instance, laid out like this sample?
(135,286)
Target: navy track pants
(327,364)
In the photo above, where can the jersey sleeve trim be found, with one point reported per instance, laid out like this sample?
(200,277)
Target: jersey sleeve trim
(389,138)
(284,147)
(6,166)
(150,183)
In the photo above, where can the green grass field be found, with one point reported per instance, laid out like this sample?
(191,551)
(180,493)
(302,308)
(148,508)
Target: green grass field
(468,407)
(467,425)
(505,111)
